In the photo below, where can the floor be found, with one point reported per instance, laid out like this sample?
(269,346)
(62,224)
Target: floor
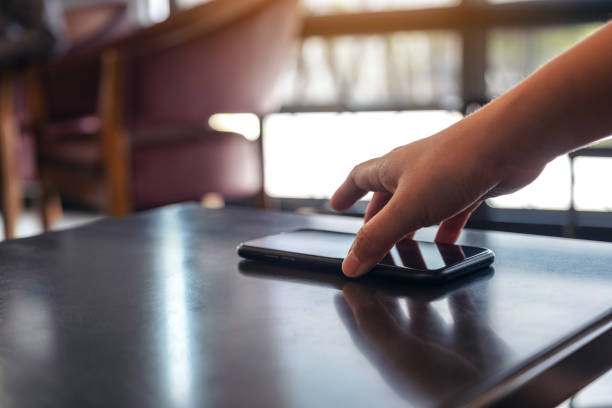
(596,395)
(29,222)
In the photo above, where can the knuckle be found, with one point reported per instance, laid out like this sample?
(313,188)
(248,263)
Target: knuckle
(397,150)
(387,178)
(355,171)
(388,173)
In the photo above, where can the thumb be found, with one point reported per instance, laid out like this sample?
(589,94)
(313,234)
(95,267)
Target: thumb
(377,236)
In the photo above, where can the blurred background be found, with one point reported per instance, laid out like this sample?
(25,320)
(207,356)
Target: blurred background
(143,103)
(113,107)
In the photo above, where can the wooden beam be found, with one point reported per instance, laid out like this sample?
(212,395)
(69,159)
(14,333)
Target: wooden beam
(535,13)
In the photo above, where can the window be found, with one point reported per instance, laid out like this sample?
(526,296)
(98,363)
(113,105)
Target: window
(592,189)
(380,71)
(308,155)
(513,54)
(550,191)
(440,60)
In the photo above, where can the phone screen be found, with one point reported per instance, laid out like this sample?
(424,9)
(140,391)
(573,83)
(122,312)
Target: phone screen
(406,253)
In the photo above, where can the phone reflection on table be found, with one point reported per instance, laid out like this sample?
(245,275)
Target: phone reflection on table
(422,354)
(419,255)
(424,357)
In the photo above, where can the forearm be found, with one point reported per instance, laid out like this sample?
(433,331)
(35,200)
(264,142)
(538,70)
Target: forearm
(564,105)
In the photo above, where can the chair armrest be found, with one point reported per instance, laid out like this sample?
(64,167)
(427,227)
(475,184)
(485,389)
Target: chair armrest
(178,28)
(87,26)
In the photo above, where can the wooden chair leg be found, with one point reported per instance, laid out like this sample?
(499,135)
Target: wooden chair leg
(11,185)
(115,147)
(49,202)
(50,208)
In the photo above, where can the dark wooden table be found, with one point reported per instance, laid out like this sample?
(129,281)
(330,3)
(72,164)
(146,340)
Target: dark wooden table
(157,310)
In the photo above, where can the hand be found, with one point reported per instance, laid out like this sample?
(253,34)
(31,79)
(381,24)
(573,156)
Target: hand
(497,150)
(441,179)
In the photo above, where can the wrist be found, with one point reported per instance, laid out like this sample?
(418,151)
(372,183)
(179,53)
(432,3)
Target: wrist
(511,136)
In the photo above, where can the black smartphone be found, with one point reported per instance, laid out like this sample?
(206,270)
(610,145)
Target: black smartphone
(411,260)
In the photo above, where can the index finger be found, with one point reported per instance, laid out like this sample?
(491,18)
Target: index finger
(362,179)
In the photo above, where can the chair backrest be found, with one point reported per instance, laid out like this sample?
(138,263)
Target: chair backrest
(91,24)
(182,74)
(220,56)
(71,88)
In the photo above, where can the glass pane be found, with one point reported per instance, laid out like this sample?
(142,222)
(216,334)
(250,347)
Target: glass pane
(396,70)
(596,394)
(592,188)
(344,6)
(515,53)
(550,191)
(308,155)
(157,10)
(190,3)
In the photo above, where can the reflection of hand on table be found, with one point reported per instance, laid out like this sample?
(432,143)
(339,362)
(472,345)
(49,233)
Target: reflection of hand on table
(420,354)
(411,256)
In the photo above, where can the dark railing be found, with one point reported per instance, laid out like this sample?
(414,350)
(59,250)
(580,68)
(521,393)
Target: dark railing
(466,15)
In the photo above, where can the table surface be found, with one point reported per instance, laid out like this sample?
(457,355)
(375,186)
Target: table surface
(157,309)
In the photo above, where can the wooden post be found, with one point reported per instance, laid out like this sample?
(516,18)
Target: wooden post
(9,133)
(115,146)
(49,199)
(474,63)
(262,200)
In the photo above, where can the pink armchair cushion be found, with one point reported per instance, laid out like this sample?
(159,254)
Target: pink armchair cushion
(81,127)
(176,76)
(224,163)
(26,154)
(172,170)
(232,69)
(76,154)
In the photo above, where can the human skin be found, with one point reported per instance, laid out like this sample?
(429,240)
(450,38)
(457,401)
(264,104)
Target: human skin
(497,150)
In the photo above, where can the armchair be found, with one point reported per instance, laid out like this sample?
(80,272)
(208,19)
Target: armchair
(123,126)
(85,26)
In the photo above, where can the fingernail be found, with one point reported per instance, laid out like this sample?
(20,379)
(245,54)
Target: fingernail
(352,265)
